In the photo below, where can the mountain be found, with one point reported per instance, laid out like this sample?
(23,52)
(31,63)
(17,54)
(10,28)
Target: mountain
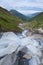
(8,22)
(18,14)
(35,22)
(33,15)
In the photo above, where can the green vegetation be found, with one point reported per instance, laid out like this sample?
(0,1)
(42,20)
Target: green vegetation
(36,22)
(9,22)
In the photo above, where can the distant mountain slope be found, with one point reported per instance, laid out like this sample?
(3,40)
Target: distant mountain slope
(9,22)
(35,22)
(18,14)
(33,15)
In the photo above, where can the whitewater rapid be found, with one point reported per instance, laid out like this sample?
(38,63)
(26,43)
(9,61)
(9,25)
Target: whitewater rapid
(10,42)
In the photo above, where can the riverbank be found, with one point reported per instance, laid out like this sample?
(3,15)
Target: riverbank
(37,33)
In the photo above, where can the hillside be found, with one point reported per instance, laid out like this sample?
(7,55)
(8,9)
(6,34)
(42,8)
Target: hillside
(18,14)
(35,22)
(9,22)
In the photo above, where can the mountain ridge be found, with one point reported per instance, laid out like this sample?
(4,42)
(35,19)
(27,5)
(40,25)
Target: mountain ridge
(18,14)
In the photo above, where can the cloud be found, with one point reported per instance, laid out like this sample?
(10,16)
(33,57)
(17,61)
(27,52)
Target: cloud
(23,6)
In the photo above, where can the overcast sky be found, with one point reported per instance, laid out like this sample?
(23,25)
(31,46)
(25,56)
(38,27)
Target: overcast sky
(23,6)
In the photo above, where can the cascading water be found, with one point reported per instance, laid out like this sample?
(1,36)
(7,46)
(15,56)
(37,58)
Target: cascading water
(10,42)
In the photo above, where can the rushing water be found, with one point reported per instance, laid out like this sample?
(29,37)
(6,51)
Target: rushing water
(10,42)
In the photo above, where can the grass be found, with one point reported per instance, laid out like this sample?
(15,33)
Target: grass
(9,22)
(36,22)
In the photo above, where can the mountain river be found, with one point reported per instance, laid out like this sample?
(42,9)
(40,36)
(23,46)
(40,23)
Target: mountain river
(11,44)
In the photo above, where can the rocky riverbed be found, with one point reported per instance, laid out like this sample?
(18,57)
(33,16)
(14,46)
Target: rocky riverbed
(11,44)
